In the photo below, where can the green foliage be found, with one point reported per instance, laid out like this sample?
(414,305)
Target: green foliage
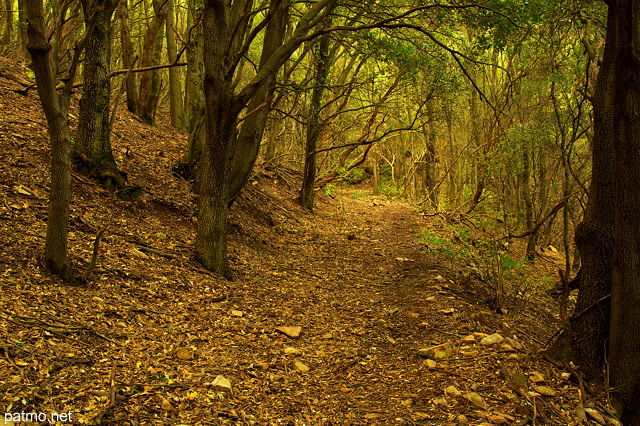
(357,195)
(441,246)
(330,190)
(389,49)
(353,176)
(483,253)
(390,190)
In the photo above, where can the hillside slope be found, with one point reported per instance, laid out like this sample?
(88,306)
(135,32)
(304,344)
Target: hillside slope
(388,332)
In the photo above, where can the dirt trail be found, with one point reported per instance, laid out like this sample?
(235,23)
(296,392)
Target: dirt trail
(368,297)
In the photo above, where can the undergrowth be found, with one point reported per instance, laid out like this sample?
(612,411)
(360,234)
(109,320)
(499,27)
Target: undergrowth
(485,255)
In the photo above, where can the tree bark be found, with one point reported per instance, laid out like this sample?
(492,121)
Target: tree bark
(149,85)
(193,92)
(221,115)
(175,93)
(250,136)
(128,57)
(429,132)
(7,35)
(93,148)
(55,253)
(315,123)
(605,326)
(594,236)
(222,108)
(623,39)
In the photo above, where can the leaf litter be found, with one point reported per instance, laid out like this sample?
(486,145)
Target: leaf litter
(340,317)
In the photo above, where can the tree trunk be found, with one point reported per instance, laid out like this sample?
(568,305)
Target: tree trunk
(250,136)
(527,198)
(175,93)
(7,35)
(193,92)
(315,124)
(221,116)
(222,109)
(22,28)
(128,58)
(376,173)
(429,132)
(594,236)
(55,253)
(623,46)
(149,80)
(93,147)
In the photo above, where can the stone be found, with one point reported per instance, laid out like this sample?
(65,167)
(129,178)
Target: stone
(437,352)
(439,401)
(504,347)
(515,343)
(236,313)
(469,339)
(493,339)
(293,332)
(292,351)
(222,384)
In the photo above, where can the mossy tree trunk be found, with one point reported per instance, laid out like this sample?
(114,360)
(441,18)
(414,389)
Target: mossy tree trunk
(93,146)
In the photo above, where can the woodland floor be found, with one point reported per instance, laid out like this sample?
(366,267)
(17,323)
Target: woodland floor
(145,343)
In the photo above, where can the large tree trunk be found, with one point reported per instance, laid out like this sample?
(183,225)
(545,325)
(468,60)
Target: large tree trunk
(624,339)
(606,320)
(93,147)
(55,253)
(222,109)
(586,344)
(220,124)
(315,124)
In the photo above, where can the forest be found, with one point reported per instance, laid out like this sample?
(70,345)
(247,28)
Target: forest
(320,212)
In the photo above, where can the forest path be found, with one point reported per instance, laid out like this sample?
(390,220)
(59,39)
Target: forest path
(369,297)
